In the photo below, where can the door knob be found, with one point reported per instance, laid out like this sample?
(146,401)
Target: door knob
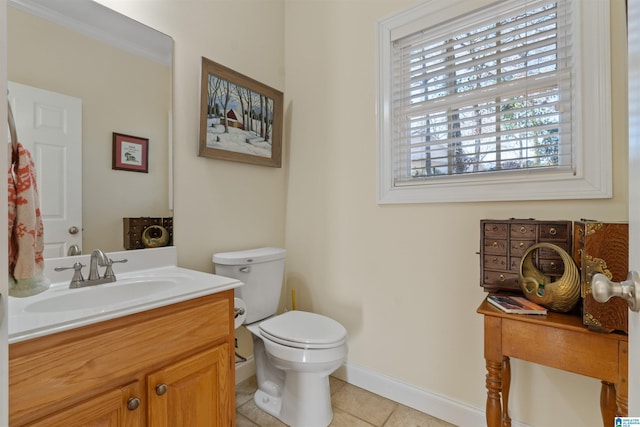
(603,289)
(74,230)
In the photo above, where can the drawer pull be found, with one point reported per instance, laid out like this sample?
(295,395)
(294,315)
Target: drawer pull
(552,265)
(523,229)
(553,231)
(133,403)
(521,245)
(494,244)
(502,278)
(494,260)
(161,389)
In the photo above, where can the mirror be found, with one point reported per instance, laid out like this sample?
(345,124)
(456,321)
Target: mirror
(121,70)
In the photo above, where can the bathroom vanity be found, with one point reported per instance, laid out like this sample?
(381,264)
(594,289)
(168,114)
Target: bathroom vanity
(168,365)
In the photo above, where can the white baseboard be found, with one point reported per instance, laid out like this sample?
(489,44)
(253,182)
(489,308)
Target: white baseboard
(245,370)
(442,407)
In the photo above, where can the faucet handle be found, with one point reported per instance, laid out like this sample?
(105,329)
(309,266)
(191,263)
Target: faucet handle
(108,272)
(77,278)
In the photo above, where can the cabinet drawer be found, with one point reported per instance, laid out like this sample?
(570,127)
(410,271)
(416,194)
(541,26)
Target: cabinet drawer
(522,231)
(550,253)
(519,247)
(551,266)
(495,246)
(496,230)
(554,232)
(501,280)
(495,262)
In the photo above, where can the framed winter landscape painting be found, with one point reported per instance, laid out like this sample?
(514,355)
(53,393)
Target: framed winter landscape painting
(240,118)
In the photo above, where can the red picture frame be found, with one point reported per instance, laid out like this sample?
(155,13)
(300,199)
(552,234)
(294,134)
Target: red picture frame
(130,153)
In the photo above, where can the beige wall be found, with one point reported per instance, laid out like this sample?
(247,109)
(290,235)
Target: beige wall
(219,205)
(403,279)
(120,92)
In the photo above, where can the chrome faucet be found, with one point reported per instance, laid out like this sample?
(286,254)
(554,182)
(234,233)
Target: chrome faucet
(98,259)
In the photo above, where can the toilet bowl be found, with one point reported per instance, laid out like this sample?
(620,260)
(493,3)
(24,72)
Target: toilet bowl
(294,352)
(300,397)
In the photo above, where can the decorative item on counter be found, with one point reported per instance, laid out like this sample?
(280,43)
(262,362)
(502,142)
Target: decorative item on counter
(134,229)
(504,242)
(561,295)
(155,236)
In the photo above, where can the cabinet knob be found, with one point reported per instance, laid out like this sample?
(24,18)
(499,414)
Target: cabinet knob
(161,389)
(133,403)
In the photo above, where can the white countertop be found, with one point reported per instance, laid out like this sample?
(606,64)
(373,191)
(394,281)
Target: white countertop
(64,308)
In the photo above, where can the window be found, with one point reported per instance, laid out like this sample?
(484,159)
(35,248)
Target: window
(487,104)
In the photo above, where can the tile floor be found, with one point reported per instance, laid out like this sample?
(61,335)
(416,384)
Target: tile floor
(352,407)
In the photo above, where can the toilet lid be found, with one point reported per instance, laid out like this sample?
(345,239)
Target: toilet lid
(301,329)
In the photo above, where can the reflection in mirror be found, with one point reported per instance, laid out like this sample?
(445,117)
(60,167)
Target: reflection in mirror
(120,71)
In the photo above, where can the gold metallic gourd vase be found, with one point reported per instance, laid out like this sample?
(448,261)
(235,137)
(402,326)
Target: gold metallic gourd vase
(561,295)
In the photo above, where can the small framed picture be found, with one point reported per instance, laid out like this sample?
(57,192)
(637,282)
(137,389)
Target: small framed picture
(130,153)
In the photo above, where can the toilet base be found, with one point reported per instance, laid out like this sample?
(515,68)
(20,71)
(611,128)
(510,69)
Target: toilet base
(313,410)
(269,404)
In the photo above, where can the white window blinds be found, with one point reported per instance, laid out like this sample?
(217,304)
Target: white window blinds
(485,92)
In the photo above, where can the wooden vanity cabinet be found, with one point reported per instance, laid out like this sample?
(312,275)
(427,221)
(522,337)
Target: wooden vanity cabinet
(168,366)
(108,409)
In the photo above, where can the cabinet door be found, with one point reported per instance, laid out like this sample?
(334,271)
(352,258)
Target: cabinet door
(193,392)
(106,410)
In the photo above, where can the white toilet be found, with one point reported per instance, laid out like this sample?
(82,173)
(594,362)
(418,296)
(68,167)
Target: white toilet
(295,352)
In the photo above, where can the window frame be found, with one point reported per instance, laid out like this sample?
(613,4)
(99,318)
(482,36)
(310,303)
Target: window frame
(591,177)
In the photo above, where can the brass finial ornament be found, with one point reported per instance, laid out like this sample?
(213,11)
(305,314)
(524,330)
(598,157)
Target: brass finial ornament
(561,295)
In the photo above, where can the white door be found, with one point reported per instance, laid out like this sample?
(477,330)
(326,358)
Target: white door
(634,197)
(49,125)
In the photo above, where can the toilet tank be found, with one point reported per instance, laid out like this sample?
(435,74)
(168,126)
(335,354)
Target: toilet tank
(262,271)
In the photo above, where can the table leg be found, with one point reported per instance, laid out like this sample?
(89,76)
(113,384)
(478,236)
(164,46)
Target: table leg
(608,406)
(622,388)
(494,388)
(506,385)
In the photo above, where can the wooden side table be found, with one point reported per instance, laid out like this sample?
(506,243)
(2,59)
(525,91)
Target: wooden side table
(557,340)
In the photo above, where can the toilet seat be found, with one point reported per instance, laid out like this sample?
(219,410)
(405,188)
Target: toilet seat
(304,330)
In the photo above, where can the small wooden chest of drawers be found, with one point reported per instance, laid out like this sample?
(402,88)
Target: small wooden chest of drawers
(504,242)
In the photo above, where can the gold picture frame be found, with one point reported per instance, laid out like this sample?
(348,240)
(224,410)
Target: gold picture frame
(240,118)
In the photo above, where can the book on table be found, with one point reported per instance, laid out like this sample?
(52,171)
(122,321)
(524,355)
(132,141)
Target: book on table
(516,305)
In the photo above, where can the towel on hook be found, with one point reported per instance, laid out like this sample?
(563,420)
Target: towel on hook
(26,243)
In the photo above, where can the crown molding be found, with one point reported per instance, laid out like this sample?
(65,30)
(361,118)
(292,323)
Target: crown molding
(99,22)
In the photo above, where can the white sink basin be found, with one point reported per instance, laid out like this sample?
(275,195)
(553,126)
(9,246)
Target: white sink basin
(101,295)
(150,279)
